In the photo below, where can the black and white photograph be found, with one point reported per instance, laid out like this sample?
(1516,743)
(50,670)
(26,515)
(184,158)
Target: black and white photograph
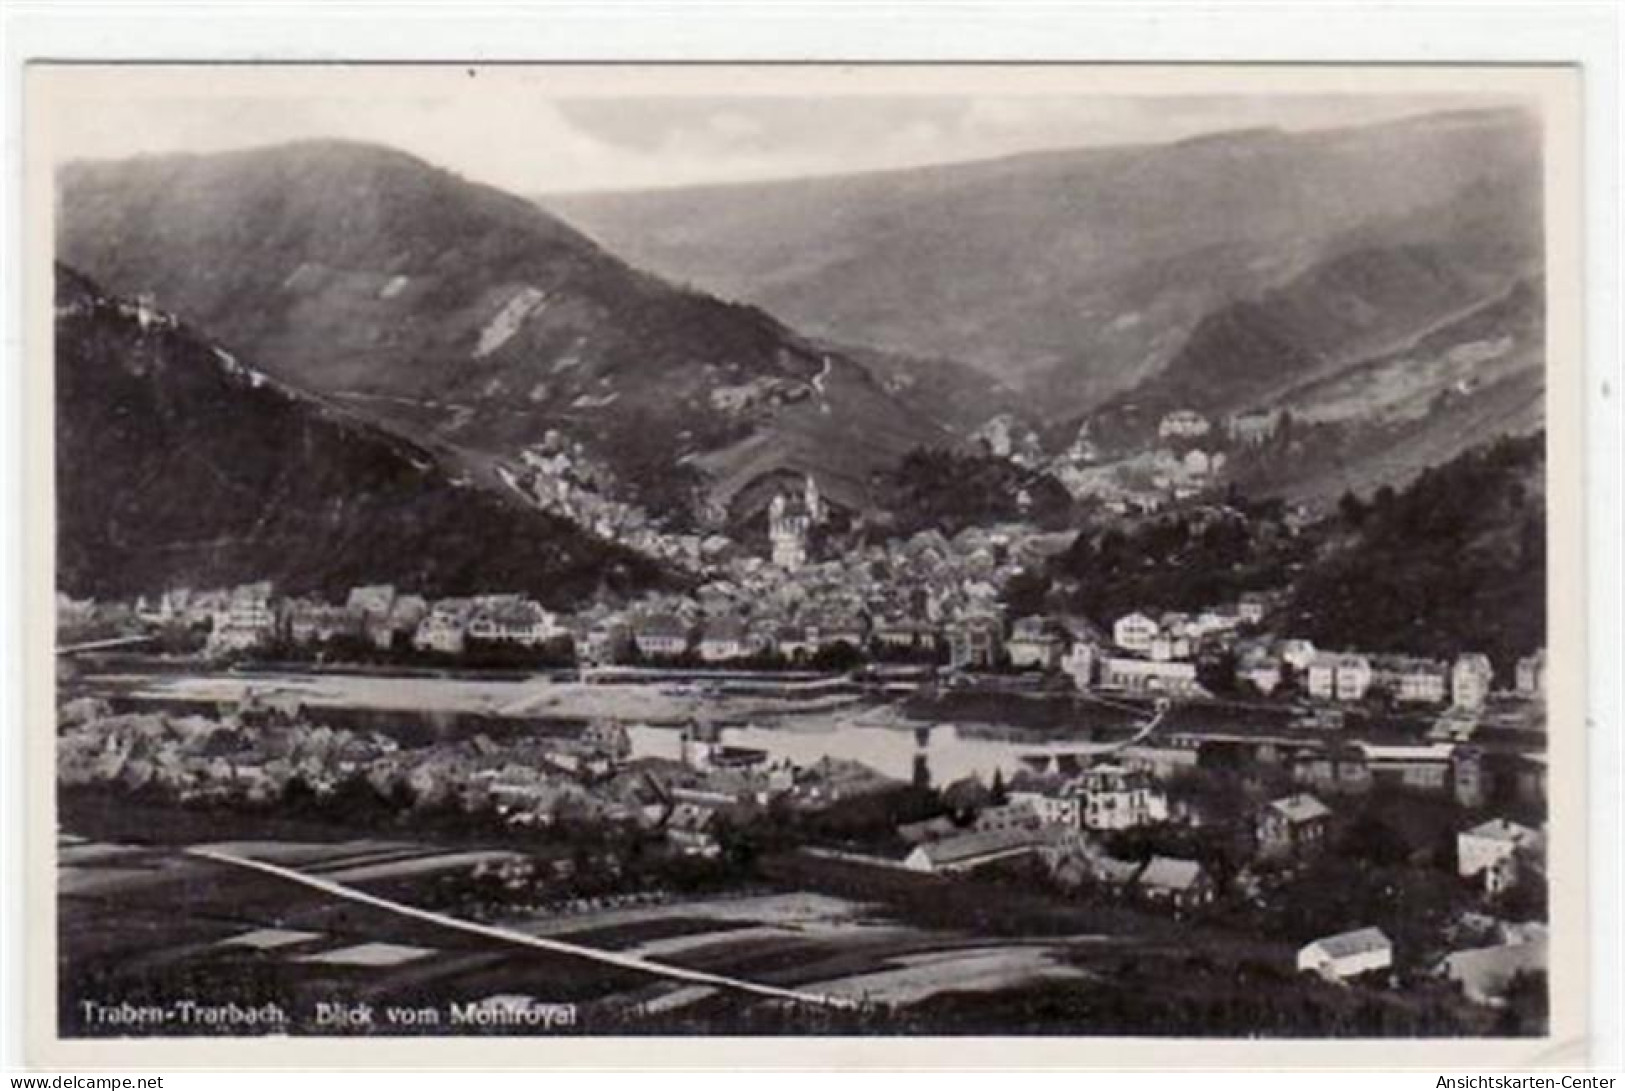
(555,552)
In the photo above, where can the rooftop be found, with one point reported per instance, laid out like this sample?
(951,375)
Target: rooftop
(1170,873)
(1501,829)
(661,625)
(1300,808)
(970,846)
(723,628)
(1357,942)
(1486,971)
(1439,751)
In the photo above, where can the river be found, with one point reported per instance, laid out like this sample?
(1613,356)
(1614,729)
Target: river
(949,752)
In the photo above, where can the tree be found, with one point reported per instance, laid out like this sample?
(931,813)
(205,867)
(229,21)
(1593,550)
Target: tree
(297,793)
(1352,509)
(1217,673)
(838,657)
(1371,839)
(965,796)
(1451,563)
(1528,1004)
(998,794)
(1027,592)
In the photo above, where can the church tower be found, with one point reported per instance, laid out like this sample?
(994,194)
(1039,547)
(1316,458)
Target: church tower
(814,502)
(787,527)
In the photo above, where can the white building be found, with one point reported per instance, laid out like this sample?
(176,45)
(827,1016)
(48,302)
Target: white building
(1470,680)
(1017,814)
(1347,954)
(722,639)
(1053,808)
(1135,632)
(1415,681)
(1199,463)
(1263,674)
(1297,653)
(512,620)
(1252,606)
(445,627)
(1253,427)
(1183,423)
(1148,676)
(970,851)
(1183,884)
(661,636)
(1079,664)
(1339,677)
(1486,973)
(371,601)
(1034,642)
(1531,675)
(1490,850)
(245,619)
(1115,798)
(1165,647)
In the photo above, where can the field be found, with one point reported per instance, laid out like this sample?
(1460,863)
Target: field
(800,944)
(153,924)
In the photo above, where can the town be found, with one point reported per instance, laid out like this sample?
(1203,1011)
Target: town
(1198,765)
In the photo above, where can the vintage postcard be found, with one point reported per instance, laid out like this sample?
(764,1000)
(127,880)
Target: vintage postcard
(804,563)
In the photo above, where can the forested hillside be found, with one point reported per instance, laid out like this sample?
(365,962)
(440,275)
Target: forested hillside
(1456,562)
(179,465)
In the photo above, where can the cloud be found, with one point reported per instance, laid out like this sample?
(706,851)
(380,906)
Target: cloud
(513,129)
(524,144)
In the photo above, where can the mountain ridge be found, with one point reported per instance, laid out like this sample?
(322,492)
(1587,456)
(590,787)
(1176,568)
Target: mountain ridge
(1075,274)
(453,310)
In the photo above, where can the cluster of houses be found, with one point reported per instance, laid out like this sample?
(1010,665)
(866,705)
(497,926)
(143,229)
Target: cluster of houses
(1060,823)
(1141,485)
(931,598)
(493,619)
(204,758)
(1190,456)
(558,475)
(1253,427)
(1248,428)
(256,751)
(1008,436)
(251,616)
(1057,837)
(1158,653)
(1494,856)
(1062,818)
(1465,683)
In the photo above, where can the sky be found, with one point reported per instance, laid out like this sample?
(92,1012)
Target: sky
(532,140)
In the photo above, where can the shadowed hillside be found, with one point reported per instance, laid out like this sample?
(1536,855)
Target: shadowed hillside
(177,465)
